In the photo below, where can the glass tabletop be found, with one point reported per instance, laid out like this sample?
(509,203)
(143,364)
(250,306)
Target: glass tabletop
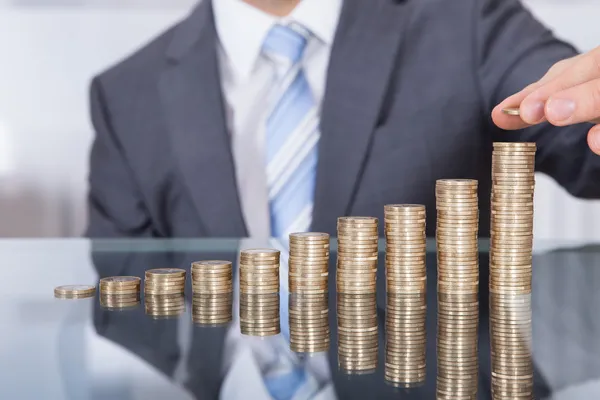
(78,349)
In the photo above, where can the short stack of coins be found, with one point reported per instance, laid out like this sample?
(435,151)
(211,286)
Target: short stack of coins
(212,277)
(358,240)
(358,338)
(308,285)
(513,183)
(162,281)
(212,309)
(163,292)
(458,288)
(309,322)
(259,292)
(406,283)
(74,291)
(119,292)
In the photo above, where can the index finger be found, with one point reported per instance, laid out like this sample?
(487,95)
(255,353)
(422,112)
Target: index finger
(510,122)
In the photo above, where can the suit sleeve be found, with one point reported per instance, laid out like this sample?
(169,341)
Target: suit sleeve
(115,206)
(514,50)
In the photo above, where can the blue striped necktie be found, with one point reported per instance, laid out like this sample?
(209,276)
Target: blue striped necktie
(292,134)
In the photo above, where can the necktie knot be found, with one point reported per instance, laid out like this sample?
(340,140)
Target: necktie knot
(283,41)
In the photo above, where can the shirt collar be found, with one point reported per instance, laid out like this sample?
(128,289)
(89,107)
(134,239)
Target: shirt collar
(242,28)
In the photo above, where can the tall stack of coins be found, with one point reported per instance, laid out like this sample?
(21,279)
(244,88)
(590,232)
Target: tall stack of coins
(309,263)
(74,291)
(212,277)
(259,292)
(212,309)
(513,183)
(358,339)
(163,292)
(458,288)
(357,255)
(406,283)
(309,322)
(119,292)
(308,299)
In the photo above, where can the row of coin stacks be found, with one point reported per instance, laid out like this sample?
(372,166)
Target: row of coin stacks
(457,228)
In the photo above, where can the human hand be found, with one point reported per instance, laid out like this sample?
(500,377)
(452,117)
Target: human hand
(568,94)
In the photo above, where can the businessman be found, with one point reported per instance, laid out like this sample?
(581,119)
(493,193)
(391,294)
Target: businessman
(263,117)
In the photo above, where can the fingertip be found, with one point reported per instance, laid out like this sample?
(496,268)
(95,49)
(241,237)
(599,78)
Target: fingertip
(594,139)
(532,110)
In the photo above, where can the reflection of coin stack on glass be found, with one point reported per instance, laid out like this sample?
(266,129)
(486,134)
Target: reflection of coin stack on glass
(458,288)
(406,282)
(308,284)
(513,184)
(357,332)
(163,292)
(212,287)
(356,286)
(259,292)
(119,292)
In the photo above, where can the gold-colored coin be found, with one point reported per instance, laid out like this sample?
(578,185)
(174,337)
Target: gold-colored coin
(165,273)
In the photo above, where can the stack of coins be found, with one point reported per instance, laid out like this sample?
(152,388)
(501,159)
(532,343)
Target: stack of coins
(309,322)
(358,338)
(309,263)
(212,309)
(119,292)
(259,314)
(212,277)
(74,291)
(161,306)
(162,281)
(308,299)
(259,292)
(513,183)
(357,255)
(163,292)
(458,288)
(259,271)
(406,283)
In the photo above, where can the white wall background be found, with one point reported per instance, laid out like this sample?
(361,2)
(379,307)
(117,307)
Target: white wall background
(49,50)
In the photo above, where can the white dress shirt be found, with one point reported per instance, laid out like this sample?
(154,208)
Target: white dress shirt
(247,80)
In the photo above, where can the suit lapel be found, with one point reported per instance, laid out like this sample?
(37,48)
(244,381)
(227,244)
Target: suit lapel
(191,94)
(362,60)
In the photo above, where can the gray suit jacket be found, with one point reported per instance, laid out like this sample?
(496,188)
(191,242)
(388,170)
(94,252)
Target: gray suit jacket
(409,92)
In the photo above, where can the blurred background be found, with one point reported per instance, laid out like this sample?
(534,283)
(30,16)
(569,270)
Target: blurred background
(50,49)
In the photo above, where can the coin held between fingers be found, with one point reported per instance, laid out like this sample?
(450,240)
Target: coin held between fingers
(513,111)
